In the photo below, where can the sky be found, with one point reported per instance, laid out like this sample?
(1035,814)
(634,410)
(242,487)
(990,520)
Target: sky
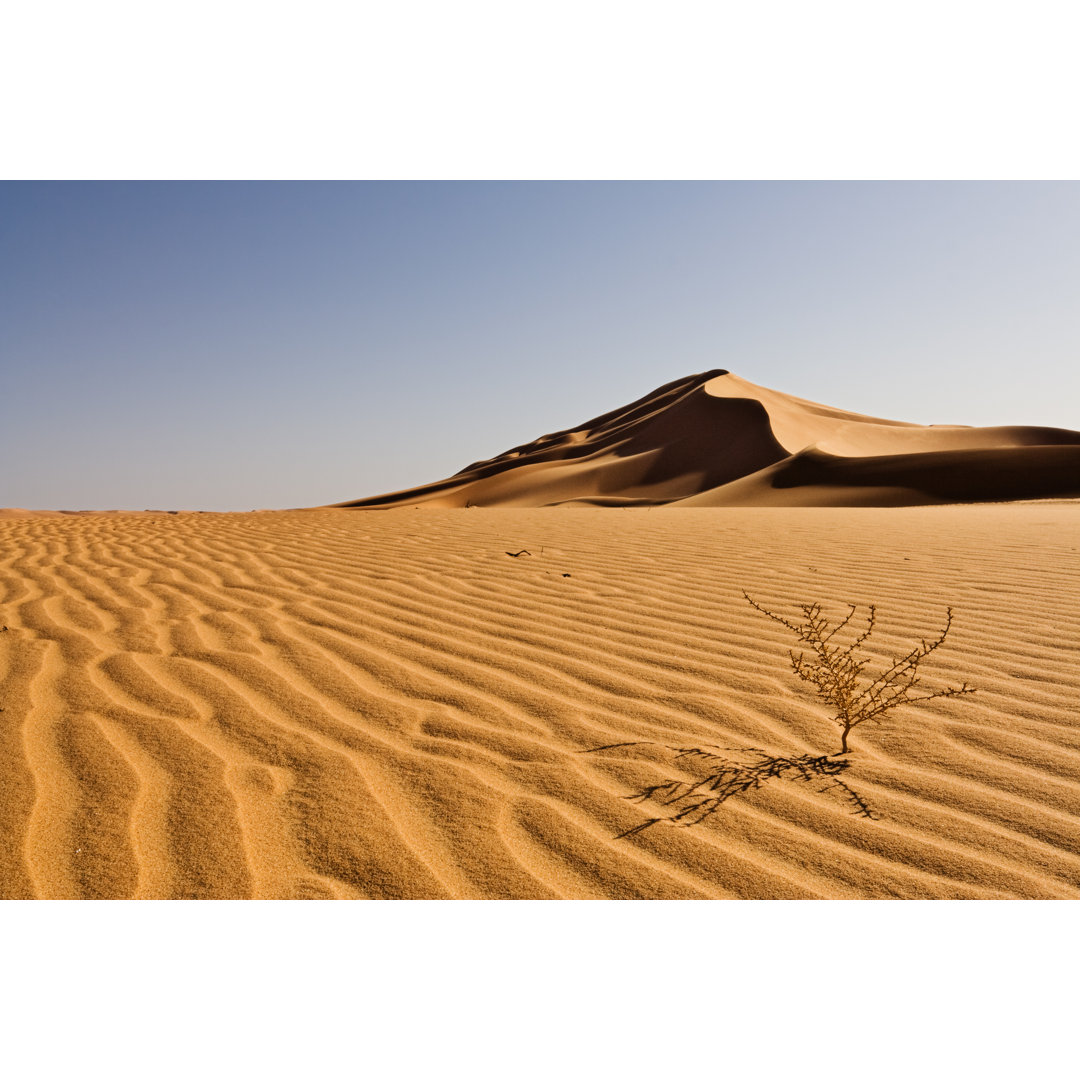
(235,345)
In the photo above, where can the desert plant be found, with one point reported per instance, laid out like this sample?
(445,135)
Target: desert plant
(836,671)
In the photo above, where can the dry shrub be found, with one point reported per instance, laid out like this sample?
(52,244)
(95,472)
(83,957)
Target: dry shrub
(839,673)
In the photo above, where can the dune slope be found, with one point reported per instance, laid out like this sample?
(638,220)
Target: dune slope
(717,440)
(317,704)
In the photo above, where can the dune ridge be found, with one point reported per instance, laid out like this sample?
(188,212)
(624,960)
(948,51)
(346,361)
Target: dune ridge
(715,439)
(314,704)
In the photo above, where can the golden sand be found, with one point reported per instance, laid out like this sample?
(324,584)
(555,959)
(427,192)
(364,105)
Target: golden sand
(347,704)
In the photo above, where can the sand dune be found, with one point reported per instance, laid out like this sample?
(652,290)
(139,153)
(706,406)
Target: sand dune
(717,440)
(323,704)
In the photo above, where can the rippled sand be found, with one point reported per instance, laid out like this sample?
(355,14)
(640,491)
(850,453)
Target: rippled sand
(387,704)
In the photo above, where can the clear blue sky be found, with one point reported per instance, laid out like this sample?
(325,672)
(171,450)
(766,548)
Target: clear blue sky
(242,345)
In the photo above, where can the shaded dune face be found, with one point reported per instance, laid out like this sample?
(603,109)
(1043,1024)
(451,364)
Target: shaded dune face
(717,440)
(669,444)
(955,475)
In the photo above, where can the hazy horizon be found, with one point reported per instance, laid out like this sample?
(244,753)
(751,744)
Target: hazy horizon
(238,345)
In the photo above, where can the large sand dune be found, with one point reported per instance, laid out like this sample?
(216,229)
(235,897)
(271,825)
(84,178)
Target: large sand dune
(325,704)
(717,440)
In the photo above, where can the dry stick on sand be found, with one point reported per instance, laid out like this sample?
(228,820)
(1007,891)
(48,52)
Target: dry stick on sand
(836,670)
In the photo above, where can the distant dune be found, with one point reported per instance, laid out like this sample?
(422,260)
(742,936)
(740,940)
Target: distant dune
(717,440)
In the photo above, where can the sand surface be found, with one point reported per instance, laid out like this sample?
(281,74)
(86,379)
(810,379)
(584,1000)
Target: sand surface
(341,704)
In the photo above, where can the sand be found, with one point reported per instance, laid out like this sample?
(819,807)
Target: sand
(341,704)
(715,439)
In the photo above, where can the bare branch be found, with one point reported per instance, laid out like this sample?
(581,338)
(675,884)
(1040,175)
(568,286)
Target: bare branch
(836,672)
(839,626)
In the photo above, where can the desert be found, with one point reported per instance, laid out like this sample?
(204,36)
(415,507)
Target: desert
(503,684)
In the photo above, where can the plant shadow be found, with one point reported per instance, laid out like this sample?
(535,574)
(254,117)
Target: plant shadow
(695,801)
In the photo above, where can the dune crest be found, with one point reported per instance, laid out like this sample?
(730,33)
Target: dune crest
(715,439)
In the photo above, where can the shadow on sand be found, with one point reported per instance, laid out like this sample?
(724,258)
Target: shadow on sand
(694,801)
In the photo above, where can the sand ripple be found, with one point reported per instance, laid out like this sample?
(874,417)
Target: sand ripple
(342,704)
